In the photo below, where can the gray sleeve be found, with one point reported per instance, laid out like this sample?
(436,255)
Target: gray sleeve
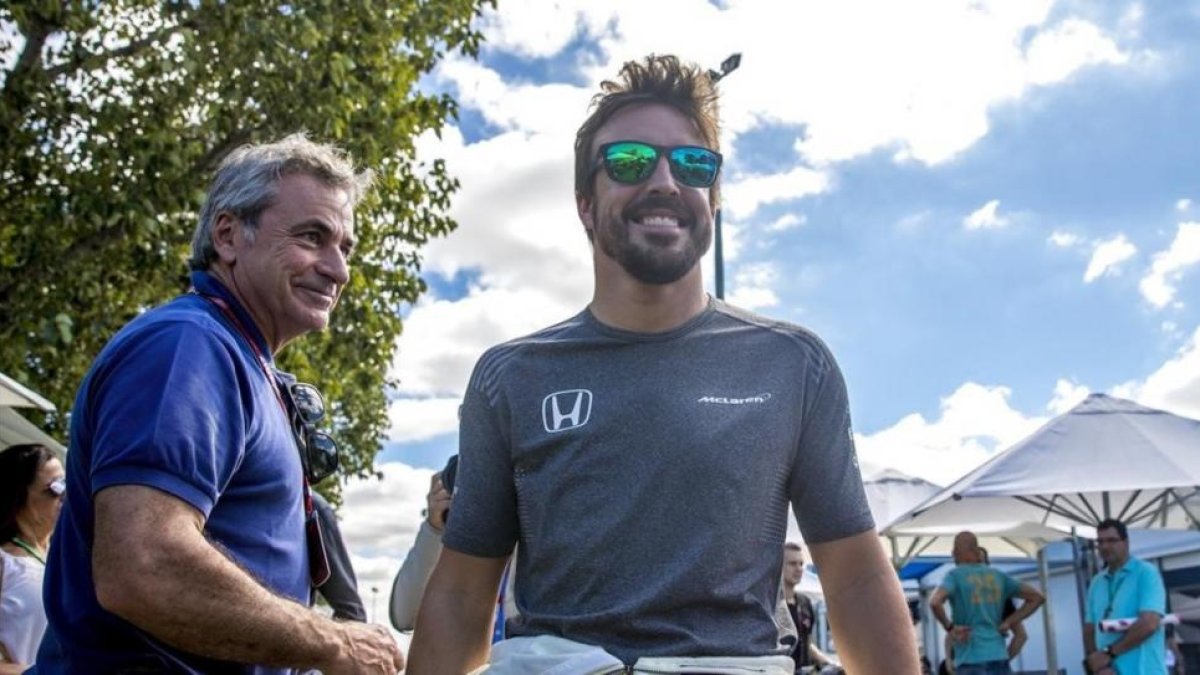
(483,521)
(409,586)
(826,486)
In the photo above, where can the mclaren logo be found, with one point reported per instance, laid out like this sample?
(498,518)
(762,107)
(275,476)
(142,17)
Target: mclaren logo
(728,400)
(565,410)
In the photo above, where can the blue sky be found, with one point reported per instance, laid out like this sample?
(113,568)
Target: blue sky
(986,209)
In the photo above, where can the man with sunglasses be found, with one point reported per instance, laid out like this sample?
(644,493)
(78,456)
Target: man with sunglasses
(644,452)
(1127,588)
(188,541)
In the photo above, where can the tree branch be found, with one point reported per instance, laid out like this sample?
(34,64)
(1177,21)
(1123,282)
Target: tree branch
(80,59)
(15,95)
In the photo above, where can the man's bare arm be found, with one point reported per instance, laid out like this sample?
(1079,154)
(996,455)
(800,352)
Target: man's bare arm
(150,552)
(870,619)
(937,605)
(1020,637)
(1089,638)
(454,624)
(1146,624)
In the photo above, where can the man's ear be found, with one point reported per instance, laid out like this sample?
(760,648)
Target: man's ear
(583,206)
(226,232)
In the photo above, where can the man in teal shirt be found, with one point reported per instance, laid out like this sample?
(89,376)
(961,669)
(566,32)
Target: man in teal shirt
(1128,588)
(977,594)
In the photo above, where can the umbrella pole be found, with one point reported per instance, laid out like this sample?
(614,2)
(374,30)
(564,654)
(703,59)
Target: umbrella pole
(1047,617)
(1079,567)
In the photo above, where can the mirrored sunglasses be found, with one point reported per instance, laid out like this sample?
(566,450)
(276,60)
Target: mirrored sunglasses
(631,162)
(318,450)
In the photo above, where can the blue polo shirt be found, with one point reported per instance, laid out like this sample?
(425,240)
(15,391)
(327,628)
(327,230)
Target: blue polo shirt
(1134,588)
(176,401)
(977,594)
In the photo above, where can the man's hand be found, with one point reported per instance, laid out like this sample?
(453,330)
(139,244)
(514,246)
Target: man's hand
(366,649)
(1099,662)
(961,633)
(437,503)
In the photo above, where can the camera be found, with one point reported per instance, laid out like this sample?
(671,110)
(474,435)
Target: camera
(449,473)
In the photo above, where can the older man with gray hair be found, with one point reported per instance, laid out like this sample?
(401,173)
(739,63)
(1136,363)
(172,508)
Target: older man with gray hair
(188,542)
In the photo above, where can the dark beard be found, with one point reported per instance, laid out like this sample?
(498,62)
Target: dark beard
(652,264)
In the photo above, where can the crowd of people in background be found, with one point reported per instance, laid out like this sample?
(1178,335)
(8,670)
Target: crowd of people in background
(639,452)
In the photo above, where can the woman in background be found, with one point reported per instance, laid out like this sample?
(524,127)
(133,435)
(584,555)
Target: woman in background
(31,488)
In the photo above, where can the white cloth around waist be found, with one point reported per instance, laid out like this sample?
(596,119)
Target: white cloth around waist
(551,655)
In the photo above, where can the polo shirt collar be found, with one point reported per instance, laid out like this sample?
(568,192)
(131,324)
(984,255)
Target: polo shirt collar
(207,284)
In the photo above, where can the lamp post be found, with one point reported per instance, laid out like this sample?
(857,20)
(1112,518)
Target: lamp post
(374,604)
(729,65)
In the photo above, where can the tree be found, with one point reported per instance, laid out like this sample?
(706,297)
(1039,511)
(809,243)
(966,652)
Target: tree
(115,114)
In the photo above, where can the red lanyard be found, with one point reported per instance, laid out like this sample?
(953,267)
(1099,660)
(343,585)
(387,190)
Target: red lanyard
(220,304)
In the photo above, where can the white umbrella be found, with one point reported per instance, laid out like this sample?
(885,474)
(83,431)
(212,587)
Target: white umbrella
(1105,458)
(16,429)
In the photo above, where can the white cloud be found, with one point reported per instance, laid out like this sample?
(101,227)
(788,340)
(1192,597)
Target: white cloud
(1183,204)
(975,422)
(744,195)
(419,419)
(1174,386)
(1059,52)
(1107,257)
(1067,395)
(752,286)
(532,28)
(1064,239)
(552,109)
(443,339)
(788,221)
(985,217)
(914,221)
(947,64)
(1158,286)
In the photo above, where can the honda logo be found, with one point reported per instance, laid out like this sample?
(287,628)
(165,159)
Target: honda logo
(568,409)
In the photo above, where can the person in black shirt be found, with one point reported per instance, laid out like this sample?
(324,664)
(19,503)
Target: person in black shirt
(805,653)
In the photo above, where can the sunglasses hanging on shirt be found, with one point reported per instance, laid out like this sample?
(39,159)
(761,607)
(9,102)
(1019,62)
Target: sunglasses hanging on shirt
(306,407)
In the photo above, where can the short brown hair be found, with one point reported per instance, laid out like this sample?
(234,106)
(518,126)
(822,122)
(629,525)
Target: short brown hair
(657,79)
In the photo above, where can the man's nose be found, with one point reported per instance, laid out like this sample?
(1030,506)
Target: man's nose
(334,265)
(661,180)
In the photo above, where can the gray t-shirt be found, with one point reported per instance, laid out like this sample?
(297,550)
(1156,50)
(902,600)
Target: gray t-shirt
(647,477)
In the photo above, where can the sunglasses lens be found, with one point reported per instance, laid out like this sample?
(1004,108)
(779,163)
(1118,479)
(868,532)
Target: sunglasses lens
(695,167)
(309,404)
(322,456)
(629,162)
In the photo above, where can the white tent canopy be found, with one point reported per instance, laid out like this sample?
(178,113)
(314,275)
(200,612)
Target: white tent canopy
(1107,457)
(891,493)
(14,428)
